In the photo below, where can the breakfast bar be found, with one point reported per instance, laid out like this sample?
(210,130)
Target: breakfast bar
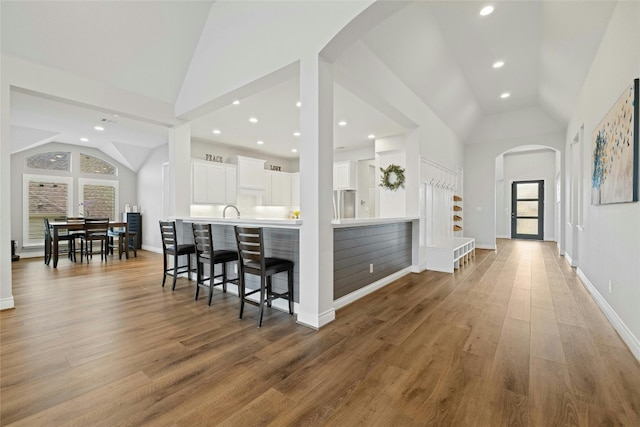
(282,240)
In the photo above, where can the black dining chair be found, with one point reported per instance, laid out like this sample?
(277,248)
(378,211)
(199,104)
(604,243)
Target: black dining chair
(95,230)
(171,247)
(252,260)
(206,254)
(48,242)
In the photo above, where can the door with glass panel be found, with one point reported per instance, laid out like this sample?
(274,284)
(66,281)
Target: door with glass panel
(527,210)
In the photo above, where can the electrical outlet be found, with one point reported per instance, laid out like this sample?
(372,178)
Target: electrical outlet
(370,268)
(610,287)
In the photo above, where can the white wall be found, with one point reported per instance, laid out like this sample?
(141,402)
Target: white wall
(609,245)
(480,166)
(244,41)
(365,75)
(525,166)
(149,181)
(199,148)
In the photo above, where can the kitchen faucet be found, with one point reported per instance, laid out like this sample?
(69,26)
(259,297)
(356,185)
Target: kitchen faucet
(224,211)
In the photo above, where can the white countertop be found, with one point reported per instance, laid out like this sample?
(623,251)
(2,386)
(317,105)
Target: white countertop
(295,223)
(265,222)
(361,222)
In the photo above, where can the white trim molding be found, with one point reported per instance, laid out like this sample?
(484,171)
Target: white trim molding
(490,247)
(627,336)
(7,303)
(356,295)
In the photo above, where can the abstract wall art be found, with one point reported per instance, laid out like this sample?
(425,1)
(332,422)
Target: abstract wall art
(615,152)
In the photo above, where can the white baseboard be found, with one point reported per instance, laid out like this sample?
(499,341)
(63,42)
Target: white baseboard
(627,336)
(569,260)
(316,323)
(152,249)
(490,247)
(7,303)
(418,268)
(356,295)
(502,236)
(279,303)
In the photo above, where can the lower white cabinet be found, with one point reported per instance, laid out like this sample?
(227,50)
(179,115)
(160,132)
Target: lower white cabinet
(213,183)
(277,189)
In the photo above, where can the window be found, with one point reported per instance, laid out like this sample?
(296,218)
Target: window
(98,198)
(90,164)
(43,197)
(52,160)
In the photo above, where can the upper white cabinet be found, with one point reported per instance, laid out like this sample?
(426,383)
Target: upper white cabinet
(250,173)
(345,175)
(277,189)
(212,183)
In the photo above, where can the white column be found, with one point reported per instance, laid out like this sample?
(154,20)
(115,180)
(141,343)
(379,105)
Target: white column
(6,296)
(316,182)
(180,170)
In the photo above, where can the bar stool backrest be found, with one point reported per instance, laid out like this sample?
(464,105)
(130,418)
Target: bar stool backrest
(250,248)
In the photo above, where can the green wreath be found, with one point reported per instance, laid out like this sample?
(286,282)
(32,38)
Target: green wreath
(392,177)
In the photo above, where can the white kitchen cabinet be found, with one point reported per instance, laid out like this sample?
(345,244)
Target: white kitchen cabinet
(295,189)
(277,189)
(213,183)
(345,175)
(250,174)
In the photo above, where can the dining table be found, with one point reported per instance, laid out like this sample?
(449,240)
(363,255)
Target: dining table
(56,226)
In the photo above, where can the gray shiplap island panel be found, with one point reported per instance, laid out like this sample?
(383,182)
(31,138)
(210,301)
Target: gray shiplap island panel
(386,246)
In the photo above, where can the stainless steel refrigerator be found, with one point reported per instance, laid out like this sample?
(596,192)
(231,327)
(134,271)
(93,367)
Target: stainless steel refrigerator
(344,204)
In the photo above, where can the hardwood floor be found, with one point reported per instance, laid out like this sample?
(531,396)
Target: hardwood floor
(512,338)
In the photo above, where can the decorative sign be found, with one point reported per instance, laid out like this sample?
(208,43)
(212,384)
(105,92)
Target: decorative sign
(276,168)
(212,158)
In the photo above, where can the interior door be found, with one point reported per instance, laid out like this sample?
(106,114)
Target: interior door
(527,210)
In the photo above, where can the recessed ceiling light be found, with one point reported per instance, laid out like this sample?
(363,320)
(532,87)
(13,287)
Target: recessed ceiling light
(505,95)
(486,10)
(84,139)
(294,150)
(498,64)
(260,142)
(52,160)
(236,102)
(296,133)
(371,136)
(298,104)
(216,131)
(342,123)
(253,120)
(100,128)
(116,115)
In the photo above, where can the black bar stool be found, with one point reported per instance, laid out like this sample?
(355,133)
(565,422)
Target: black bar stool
(170,246)
(252,261)
(206,254)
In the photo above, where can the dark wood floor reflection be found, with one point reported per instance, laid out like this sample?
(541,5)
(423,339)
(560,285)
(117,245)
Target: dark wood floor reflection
(512,338)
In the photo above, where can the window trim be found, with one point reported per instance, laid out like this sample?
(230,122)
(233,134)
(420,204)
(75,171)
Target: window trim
(105,182)
(26,178)
(115,168)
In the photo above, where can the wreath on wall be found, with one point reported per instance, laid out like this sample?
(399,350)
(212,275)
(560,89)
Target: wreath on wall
(392,177)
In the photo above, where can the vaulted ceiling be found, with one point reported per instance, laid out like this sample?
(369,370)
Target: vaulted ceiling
(442,50)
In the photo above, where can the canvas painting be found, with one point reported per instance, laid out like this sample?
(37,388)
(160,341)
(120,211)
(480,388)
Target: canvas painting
(615,152)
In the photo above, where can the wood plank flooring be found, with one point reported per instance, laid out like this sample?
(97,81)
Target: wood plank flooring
(512,338)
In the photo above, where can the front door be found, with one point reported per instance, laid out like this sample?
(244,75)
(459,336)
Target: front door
(527,210)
